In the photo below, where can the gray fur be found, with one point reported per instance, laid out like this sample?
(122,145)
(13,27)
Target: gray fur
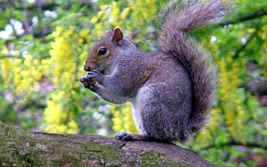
(171,90)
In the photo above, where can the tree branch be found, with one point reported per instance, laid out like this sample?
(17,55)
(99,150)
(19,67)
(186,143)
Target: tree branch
(243,46)
(25,148)
(26,21)
(44,6)
(14,57)
(245,18)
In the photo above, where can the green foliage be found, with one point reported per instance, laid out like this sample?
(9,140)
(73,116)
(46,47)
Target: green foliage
(40,67)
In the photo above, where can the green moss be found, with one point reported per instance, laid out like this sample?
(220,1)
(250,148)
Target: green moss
(154,159)
(106,151)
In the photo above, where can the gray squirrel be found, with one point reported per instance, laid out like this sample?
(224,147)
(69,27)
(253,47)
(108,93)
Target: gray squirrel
(170,90)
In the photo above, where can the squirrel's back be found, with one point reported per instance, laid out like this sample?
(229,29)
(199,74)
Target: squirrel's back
(176,20)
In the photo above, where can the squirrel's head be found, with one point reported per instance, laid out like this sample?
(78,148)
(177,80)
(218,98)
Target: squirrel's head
(101,55)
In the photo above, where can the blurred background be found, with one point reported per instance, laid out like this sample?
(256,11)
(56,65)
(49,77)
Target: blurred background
(44,43)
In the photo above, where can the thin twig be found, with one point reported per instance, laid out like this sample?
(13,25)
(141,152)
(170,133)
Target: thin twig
(25,13)
(255,15)
(15,57)
(243,46)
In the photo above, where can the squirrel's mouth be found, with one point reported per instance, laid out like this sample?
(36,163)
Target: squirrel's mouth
(103,72)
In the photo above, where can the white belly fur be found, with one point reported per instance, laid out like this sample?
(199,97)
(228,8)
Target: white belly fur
(137,106)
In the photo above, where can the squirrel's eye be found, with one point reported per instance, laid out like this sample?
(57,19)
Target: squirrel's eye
(102,51)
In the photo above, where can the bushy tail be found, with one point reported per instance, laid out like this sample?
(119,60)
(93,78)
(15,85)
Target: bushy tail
(178,19)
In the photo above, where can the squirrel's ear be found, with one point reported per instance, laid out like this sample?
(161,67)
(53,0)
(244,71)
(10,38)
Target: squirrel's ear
(117,36)
(109,34)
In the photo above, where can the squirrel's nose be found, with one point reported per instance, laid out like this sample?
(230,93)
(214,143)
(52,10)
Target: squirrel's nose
(86,67)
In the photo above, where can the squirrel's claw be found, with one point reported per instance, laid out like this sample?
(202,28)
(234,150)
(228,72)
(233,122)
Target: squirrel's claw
(94,76)
(124,136)
(88,83)
(82,79)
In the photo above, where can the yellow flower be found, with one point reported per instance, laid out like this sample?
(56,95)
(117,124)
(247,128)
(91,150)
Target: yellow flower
(63,66)
(124,13)
(94,20)
(72,124)
(58,31)
(122,120)
(103,7)
(61,128)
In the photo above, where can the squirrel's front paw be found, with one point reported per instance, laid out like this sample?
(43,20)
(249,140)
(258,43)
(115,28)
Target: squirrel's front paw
(95,76)
(88,83)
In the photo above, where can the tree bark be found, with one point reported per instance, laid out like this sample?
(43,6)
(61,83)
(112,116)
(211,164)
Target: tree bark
(26,148)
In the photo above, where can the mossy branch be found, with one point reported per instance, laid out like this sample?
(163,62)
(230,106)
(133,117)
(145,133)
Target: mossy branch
(25,148)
